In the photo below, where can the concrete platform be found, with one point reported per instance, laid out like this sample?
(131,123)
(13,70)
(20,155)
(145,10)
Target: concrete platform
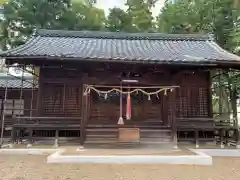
(220,152)
(198,159)
(198,156)
(136,146)
(30,151)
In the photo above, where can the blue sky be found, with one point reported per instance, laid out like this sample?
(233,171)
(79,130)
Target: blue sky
(106,4)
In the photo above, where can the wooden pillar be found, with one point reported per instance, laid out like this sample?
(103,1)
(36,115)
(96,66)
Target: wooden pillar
(56,143)
(84,115)
(2,114)
(237,137)
(39,96)
(30,140)
(173,116)
(210,107)
(13,135)
(164,110)
(221,131)
(235,113)
(196,138)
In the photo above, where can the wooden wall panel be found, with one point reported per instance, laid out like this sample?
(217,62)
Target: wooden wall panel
(192,98)
(61,100)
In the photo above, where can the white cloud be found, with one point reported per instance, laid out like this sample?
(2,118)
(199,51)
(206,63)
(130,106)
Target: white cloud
(107,4)
(158,6)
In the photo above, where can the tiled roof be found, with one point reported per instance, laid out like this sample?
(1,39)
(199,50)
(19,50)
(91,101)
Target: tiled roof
(127,47)
(13,82)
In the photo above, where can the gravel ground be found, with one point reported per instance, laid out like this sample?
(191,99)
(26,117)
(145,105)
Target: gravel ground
(13,167)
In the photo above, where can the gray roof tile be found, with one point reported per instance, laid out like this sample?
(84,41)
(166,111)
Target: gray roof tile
(144,47)
(16,83)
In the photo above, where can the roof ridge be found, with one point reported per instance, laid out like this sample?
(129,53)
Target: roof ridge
(121,35)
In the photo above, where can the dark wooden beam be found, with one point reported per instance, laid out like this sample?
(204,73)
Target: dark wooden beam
(83,119)
(39,95)
(210,105)
(173,116)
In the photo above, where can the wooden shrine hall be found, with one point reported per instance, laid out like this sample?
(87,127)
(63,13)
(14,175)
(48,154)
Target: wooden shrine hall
(107,87)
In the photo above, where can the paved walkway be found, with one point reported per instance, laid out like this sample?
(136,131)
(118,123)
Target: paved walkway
(220,152)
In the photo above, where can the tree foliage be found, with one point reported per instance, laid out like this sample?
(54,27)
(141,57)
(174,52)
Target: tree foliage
(119,20)
(82,15)
(3,2)
(21,17)
(141,14)
(199,16)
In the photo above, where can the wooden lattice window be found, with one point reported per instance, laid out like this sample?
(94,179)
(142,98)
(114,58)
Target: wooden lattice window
(192,101)
(61,100)
(13,107)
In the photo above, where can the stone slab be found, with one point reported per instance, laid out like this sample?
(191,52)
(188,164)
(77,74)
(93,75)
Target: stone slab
(198,159)
(219,152)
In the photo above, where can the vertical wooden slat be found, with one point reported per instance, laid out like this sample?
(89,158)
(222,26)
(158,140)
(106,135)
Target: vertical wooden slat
(39,95)
(56,143)
(84,115)
(192,97)
(196,138)
(210,105)
(30,131)
(173,116)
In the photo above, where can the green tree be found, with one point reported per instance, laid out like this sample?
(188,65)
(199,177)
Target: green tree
(3,35)
(3,2)
(89,3)
(141,14)
(186,16)
(23,16)
(223,22)
(119,20)
(235,35)
(202,16)
(83,15)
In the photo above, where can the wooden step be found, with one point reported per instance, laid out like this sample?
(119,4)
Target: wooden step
(156,140)
(105,135)
(102,135)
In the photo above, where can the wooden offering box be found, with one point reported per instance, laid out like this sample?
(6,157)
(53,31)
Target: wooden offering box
(129,135)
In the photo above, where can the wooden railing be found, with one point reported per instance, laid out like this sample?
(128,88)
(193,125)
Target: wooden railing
(218,128)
